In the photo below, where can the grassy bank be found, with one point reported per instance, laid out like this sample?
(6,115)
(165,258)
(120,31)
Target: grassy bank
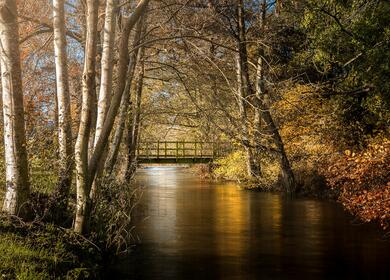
(44,251)
(39,249)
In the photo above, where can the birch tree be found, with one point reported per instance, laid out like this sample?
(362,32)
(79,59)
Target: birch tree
(105,89)
(106,65)
(86,170)
(17,179)
(63,107)
(123,61)
(125,102)
(81,148)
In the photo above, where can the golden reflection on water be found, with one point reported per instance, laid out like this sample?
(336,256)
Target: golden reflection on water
(189,227)
(160,199)
(313,216)
(231,210)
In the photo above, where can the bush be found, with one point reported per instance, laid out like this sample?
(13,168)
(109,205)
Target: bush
(363,180)
(234,167)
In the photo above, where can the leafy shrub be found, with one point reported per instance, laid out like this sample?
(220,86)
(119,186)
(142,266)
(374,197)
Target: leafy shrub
(232,167)
(363,180)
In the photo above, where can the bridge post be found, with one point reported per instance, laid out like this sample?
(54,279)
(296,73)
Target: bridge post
(184,150)
(158,149)
(177,150)
(196,145)
(165,148)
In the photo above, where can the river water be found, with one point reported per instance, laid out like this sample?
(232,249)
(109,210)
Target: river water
(189,228)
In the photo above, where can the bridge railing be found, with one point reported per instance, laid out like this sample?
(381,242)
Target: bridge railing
(181,149)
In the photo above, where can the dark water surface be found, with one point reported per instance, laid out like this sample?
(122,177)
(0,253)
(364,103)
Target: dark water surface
(194,229)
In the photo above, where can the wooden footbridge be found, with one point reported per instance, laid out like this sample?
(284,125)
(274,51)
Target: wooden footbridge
(180,152)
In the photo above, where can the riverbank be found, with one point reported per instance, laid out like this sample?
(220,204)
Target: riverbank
(359,180)
(44,250)
(310,186)
(34,250)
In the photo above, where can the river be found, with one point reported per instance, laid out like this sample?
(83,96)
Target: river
(189,228)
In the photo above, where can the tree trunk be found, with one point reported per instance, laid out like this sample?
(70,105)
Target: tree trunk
(123,62)
(287,175)
(260,74)
(61,194)
(262,111)
(133,132)
(107,66)
(86,169)
(244,90)
(105,89)
(125,103)
(81,148)
(17,180)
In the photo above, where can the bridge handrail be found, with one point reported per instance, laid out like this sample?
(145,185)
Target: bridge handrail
(181,149)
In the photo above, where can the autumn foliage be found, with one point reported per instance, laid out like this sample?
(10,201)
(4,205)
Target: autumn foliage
(363,180)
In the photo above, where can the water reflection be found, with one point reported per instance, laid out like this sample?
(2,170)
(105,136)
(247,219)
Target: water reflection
(191,229)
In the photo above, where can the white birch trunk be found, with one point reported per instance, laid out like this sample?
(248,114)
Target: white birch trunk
(105,86)
(86,170)
(125,103)
(121,82)
(63,107)
(81,148)
(17,180)
(106,66)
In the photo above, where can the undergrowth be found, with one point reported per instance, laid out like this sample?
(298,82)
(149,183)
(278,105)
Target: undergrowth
(39,249)
(44,251)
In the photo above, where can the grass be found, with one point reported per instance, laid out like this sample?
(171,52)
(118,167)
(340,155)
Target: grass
(40,250)
(37,250)
(43,251)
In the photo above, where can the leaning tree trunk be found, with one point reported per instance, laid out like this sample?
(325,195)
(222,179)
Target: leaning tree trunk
(17,180)
(81,148)
(287,175)
(125,102)
(123,61)
(61,194)
(244,90)
(262,111)
(105,89)
(133,130)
